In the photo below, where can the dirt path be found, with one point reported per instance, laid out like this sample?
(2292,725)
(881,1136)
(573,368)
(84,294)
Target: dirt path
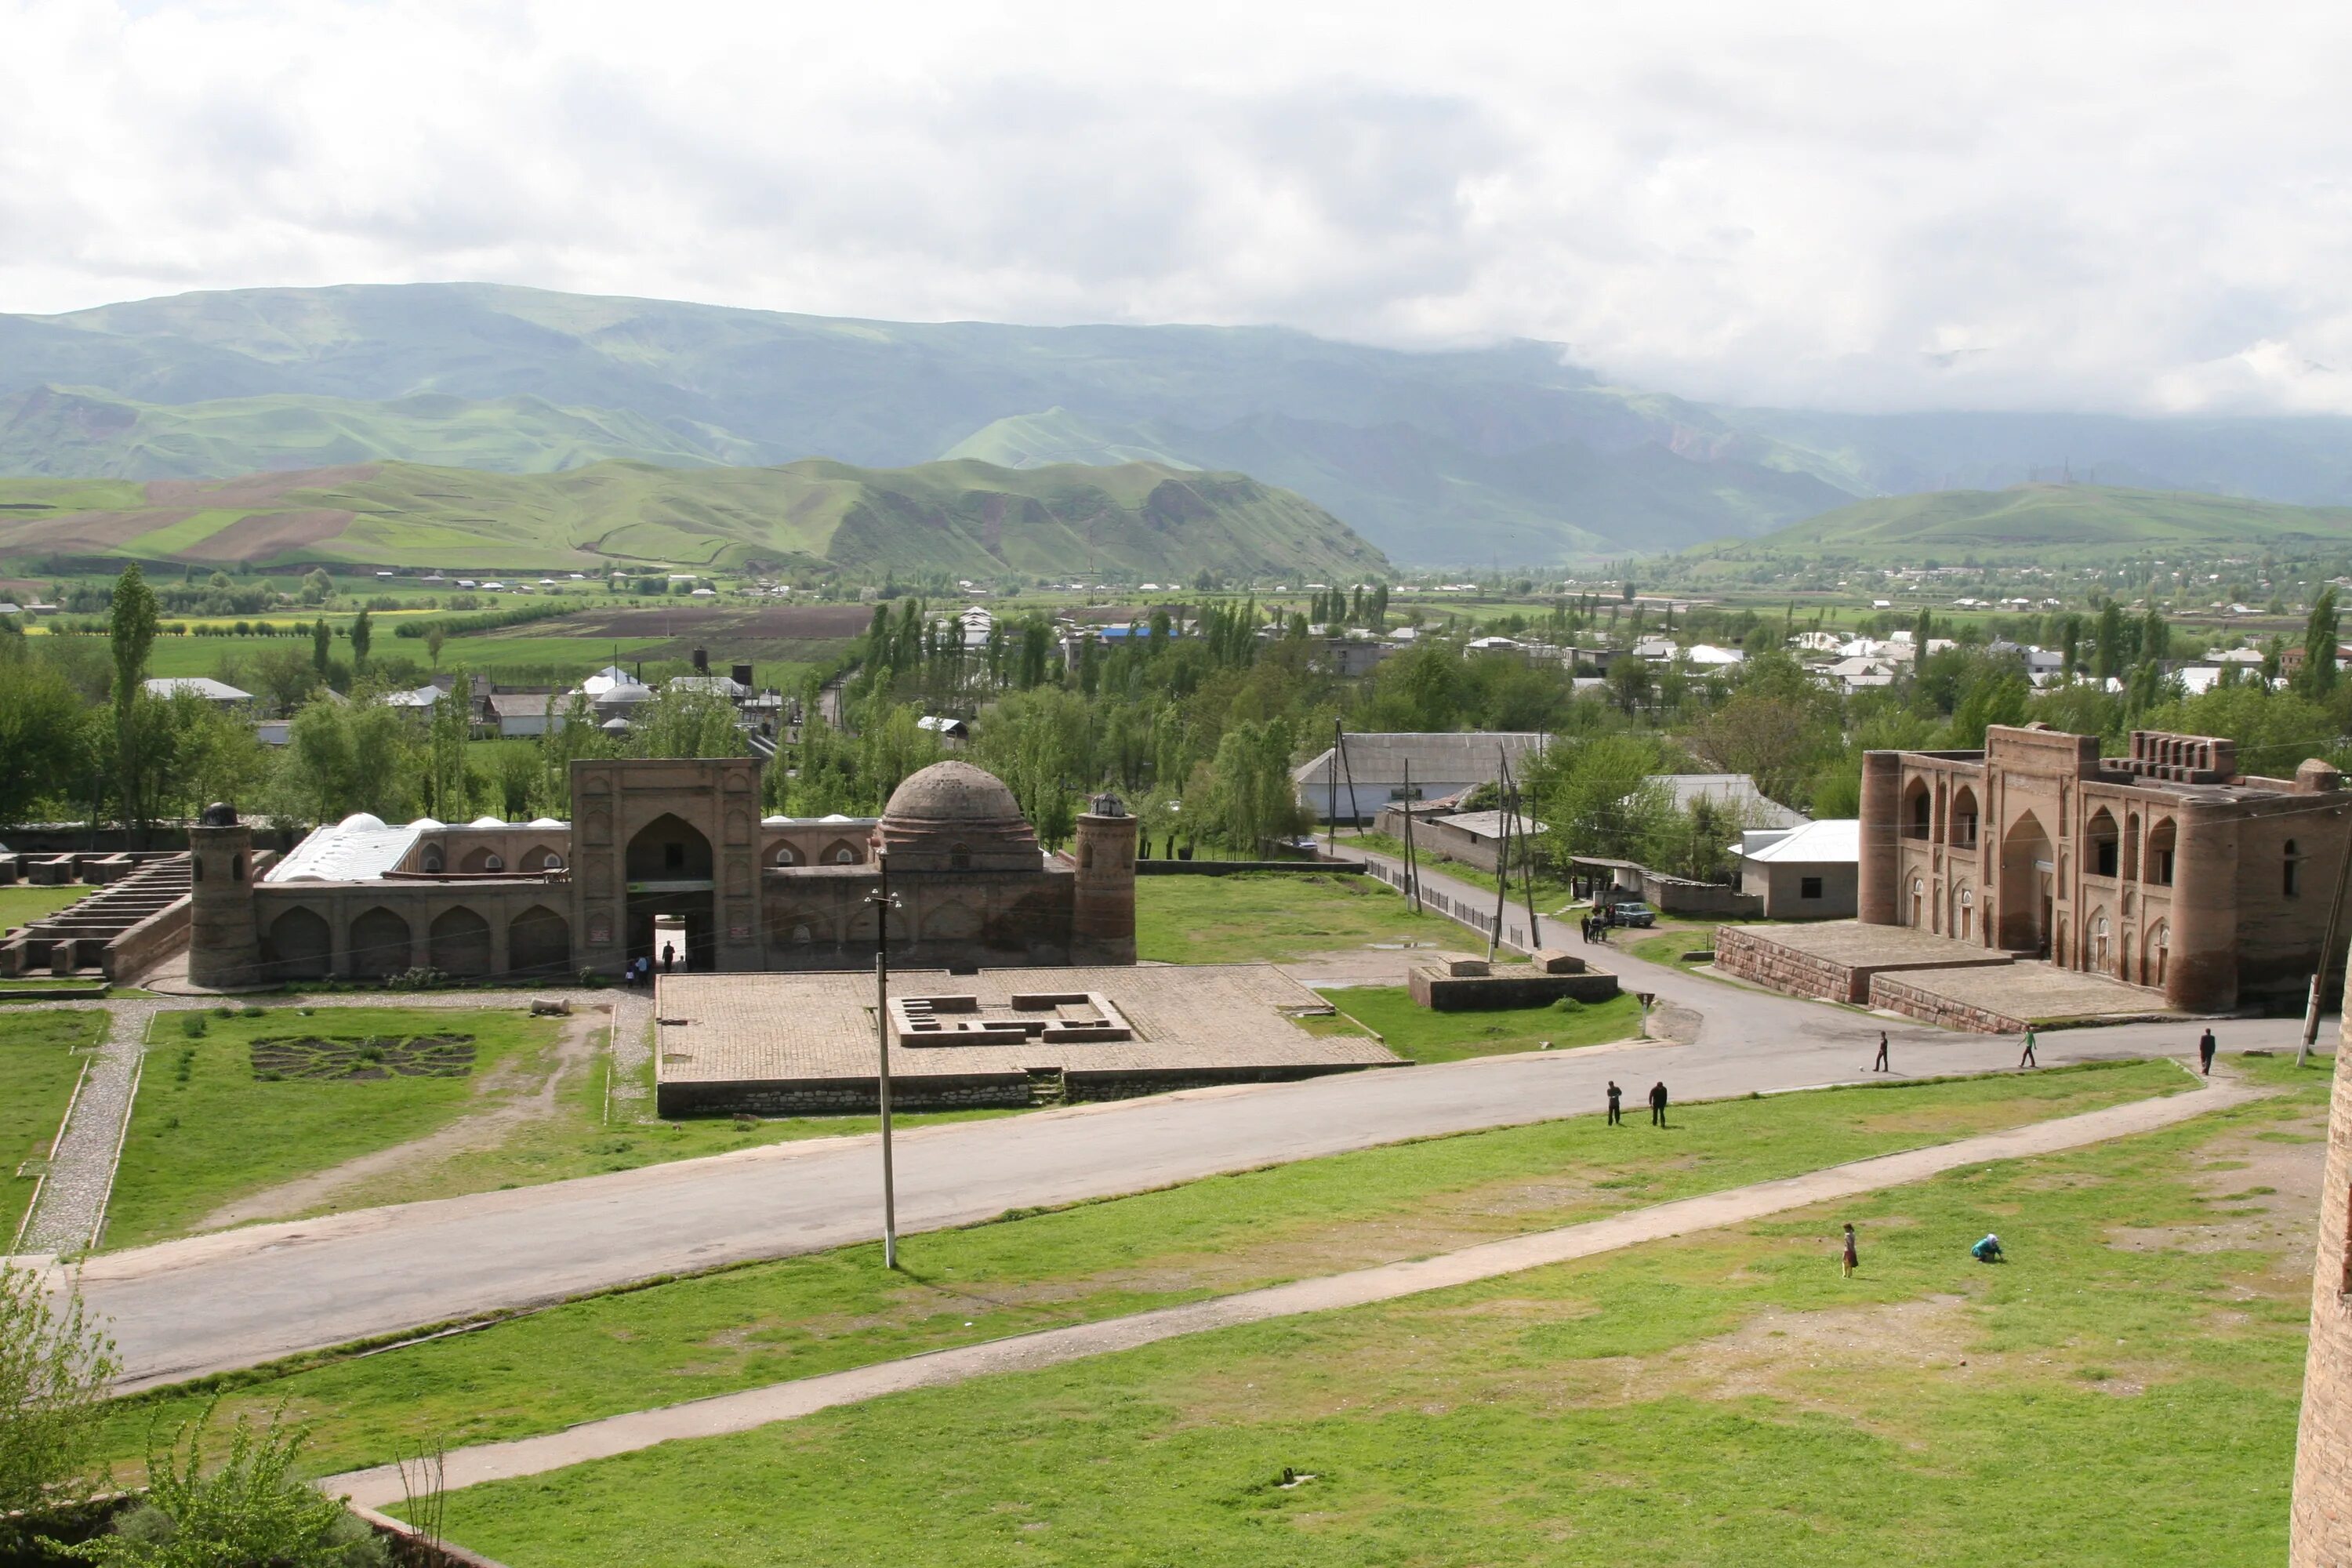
(512,1103)
(381,1486)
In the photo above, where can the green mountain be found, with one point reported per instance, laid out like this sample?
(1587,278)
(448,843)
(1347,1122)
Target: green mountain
(80,433)
(2040,523)
(1509,452)
(1135,520)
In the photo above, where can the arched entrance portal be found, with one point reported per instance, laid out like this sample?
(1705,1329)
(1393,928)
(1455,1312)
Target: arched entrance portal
(2026,870)
(670,871)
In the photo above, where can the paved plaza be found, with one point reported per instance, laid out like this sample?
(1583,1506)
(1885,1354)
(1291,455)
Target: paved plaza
(774,1042)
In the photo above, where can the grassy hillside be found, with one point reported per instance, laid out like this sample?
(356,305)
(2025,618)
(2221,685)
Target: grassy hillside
(82,434)
(2041,522)
(965,517)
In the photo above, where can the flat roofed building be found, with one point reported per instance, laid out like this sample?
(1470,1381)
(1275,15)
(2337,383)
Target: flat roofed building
(2167,867)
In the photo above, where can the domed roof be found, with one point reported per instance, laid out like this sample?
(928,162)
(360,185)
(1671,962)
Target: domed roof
(362,822)
(951,792)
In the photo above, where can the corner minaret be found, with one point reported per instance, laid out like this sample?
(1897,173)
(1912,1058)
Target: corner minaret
(223,946)
(1102,910)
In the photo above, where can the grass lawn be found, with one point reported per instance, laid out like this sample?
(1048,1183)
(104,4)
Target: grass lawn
(2124,1392)
(209,1128)
(795,1317)
(25,902)
(1274,915)
(38,1069)
(1425,1035)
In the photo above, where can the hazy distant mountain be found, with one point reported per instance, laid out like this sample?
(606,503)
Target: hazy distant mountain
(1506,453)
(2043,523)
(1135,520)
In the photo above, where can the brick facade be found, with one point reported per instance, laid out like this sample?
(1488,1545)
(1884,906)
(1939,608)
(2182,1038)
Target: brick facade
(2320,1532)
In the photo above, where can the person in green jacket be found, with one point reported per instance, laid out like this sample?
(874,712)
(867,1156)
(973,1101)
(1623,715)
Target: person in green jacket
(1988,1251)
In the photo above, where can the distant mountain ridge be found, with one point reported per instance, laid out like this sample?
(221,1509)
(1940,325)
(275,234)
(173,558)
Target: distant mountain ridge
(1134,521)
(2039,523)
(1508,453)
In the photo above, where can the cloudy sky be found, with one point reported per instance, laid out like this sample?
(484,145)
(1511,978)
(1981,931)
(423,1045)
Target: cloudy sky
(2141,206)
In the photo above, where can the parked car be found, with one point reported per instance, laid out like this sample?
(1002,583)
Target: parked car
(1633,913)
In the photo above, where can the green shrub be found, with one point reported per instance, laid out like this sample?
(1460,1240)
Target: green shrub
(192,1025)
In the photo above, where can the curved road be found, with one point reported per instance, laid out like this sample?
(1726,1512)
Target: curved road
(236,1298)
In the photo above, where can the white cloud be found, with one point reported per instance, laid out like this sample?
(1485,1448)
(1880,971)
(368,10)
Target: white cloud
(2139,206)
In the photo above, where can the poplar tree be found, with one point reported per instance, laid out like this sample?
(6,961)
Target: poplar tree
(132,629)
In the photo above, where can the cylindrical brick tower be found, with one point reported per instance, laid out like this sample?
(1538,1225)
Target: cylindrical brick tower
(2201,974)
(1882,799)
(2320,1530)
(1102,913)
(223,947)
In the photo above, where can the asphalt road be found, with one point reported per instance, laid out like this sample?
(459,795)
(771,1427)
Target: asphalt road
(184,1308)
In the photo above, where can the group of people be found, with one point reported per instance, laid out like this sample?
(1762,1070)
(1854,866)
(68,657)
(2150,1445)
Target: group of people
(2206,1046)
(1596,927)
(1658,1104)
(639,971)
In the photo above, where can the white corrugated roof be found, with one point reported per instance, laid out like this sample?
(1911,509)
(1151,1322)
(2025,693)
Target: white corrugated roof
(1836,841)
(355,850)
(204,686)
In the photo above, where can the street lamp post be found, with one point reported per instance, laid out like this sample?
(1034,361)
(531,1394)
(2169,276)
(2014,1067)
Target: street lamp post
(882,904)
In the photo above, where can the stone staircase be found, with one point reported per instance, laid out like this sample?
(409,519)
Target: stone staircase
(87,935)
(1046,1087)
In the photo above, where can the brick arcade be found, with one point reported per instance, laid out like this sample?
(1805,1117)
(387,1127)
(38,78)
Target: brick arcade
(680,839)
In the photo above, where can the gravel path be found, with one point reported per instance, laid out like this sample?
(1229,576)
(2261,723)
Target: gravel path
(627,1098)
(728,1413)
(71,1204)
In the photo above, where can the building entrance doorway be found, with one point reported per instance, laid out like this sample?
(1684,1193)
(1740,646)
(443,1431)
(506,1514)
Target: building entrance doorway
(671,872)
(2027,873)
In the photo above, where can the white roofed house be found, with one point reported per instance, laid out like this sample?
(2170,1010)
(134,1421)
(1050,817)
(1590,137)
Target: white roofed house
(1808,872)
(1371,768)
(218,692)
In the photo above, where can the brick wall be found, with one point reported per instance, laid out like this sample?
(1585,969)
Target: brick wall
(2320,1534)
(1474,993)
(1753,958)
(1895,997)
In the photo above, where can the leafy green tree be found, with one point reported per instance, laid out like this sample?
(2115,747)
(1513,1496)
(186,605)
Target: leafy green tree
(360,637)
(251,1507)
(131,632)
(1244,796)
(44,737)
(685,724)
(57,1364)
(322,646)
(1595,796)
(2316,678)
(447,786)
(2107,653)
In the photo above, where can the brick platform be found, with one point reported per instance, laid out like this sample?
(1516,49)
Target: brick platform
(2010,999)
(794,1044)
(1838,958)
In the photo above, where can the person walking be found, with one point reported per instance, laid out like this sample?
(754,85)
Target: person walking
(1882,1064)
(669,956)
(1658,1103)
(2027,1059)
(2205,1050)
(1616,1117)
(1852,1259)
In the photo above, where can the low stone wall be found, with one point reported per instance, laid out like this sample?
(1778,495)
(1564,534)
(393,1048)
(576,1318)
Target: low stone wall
(1228,868)
(1442,993)
(147,944)
(843,1097)
(1090,1087)
(1892,995)
(1747,956)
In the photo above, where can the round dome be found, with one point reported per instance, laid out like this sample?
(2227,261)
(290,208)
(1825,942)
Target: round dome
(363,822)
(951,792)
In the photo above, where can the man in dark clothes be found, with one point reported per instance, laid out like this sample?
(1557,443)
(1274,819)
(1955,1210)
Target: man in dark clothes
(669,953)
(1882,1065)
(1615,1094)
(1658,1103)
(2205,1048)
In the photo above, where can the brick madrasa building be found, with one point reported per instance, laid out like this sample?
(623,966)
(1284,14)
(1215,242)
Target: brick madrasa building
(2168,868)
(677,840)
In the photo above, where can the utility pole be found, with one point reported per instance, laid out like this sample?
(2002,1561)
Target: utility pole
(1503,855)
(1411,866)
(882,904)
(2327,951)
(1331,792)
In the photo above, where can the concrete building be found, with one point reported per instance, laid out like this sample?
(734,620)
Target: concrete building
(2168,868)
(1370,769)
(1803,873)
(675,839)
